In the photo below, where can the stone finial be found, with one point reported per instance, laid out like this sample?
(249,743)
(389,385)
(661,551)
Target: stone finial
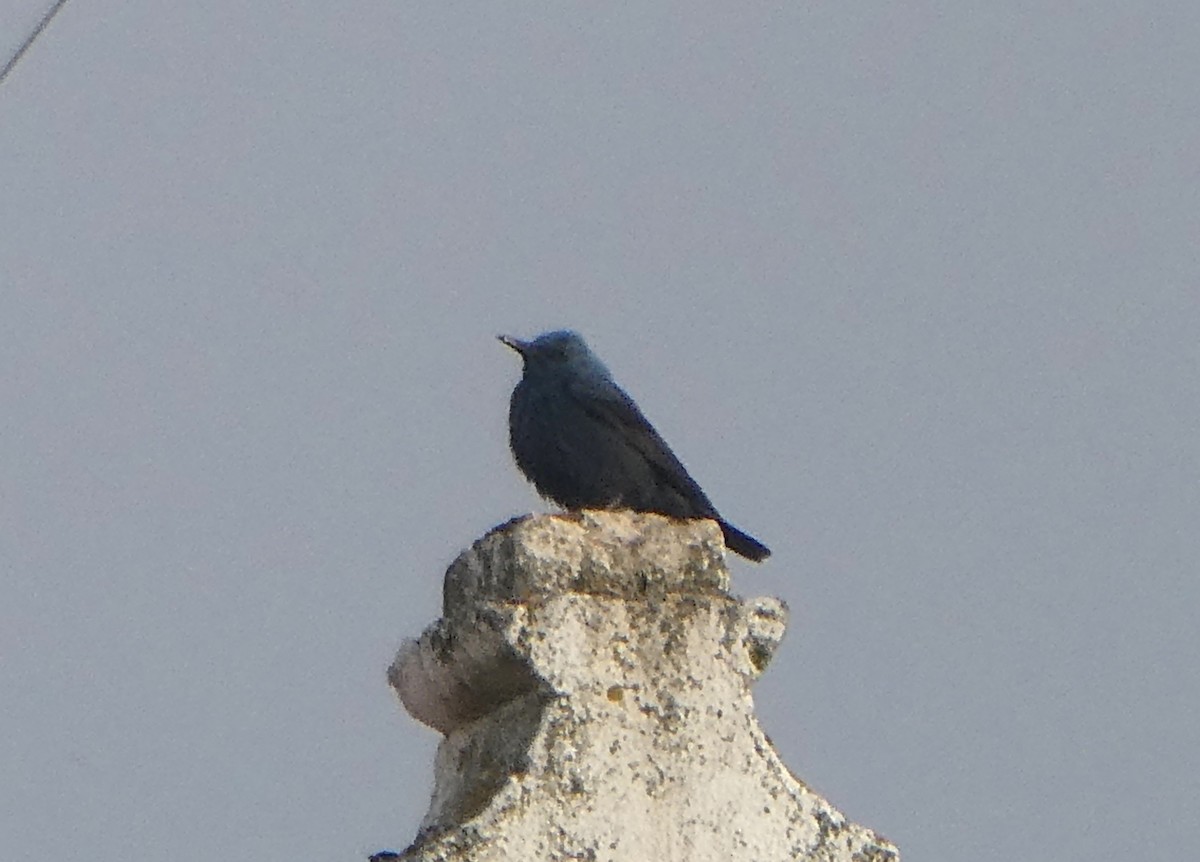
(591,677)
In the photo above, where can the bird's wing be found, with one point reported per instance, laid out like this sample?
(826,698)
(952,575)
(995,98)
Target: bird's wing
(613,408)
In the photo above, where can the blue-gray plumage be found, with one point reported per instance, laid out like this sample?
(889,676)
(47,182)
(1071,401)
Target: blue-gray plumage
(585,445)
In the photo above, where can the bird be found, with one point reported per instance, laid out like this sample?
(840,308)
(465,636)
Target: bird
(584,443)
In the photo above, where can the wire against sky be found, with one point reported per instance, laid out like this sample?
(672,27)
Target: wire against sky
(37,31)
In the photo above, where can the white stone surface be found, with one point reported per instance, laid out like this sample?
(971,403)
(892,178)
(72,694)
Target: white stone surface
(591,677)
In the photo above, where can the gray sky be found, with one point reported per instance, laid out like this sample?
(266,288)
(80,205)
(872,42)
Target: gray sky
(912,290)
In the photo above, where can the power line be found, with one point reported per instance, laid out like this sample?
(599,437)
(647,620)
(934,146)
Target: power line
(37,31)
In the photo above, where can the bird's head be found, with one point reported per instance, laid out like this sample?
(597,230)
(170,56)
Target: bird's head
(560,352)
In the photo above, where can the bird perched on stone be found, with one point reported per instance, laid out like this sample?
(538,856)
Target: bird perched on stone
(585,444)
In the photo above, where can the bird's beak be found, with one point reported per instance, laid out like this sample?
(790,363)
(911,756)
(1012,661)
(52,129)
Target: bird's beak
(515,343)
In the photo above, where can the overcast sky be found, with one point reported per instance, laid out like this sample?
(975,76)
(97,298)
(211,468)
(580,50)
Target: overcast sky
(913,291)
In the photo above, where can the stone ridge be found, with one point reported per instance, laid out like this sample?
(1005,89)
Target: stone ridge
(592,677)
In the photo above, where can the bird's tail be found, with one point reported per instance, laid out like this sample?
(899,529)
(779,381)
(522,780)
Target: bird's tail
(743,544)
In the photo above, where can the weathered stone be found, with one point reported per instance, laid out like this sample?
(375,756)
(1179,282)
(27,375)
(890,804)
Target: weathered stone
(591,676)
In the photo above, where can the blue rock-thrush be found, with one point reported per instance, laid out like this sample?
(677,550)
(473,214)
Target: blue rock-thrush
(585,444)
